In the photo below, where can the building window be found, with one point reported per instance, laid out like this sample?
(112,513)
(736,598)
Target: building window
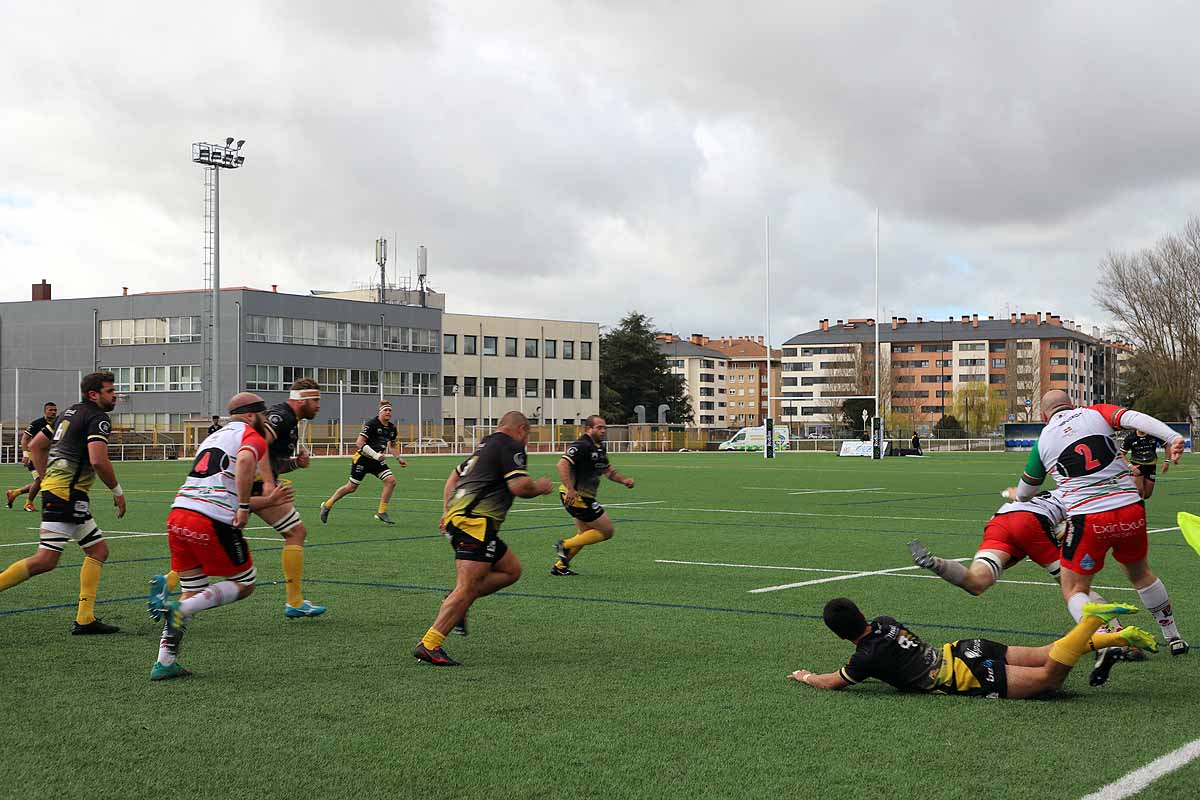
(935,348)
(906,379)
(972,346)
(707,391)
(585,390)
(448,384)
(149,379)
(996,347)
(531,384)
(531,348)
(904,348)
(1054,376)
(1058,345)
(585,351)
(449,343)
(489,387)
(449,422)
(470,422)
(972,362)
(998,363)
(470,344)
(568,349)
(971,378)
(568,390)
(551,348)
(183,378)
(1024,345)
(510,346)
(551,387)
(470,386)
(994,379)
(489,345)
(936,378)
(510,386)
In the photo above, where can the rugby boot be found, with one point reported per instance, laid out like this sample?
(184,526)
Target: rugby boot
(9,496)
(93,628)
(156,603)
(165,672)
(1178,646)
(324,513)
(437,657)
(305,609)
(1106,611)
(385,518)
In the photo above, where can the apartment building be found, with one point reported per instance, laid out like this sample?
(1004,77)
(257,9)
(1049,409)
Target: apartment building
(705,372)
(924,363)
(746,375)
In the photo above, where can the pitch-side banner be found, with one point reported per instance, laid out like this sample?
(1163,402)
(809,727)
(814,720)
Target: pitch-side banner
(852,448)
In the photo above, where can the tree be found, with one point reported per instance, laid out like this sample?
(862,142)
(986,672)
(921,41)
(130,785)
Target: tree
(1142,393)
(949,428)
(1154,295)
(633,372)
(978,406)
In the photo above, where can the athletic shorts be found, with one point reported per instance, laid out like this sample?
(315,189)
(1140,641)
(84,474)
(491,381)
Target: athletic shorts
(362,466)
(584,509)
(75,511)
(1148,471)
(1021,534)
(476,539)
(973,667)
(1089,537)
(55,535)
(197,541)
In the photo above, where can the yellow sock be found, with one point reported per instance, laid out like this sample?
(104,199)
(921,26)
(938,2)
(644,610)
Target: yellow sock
(293,571)
(172,581)
(16,573)
(382,508)
(89,582)
(583,539)
(433,639)
(1071,647)
(332,499)
(1100,641)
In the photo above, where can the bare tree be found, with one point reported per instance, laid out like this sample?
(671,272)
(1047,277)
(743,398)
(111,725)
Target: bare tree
(1154,295)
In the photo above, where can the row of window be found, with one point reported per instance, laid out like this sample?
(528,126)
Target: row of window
(150,330)
(274,378)
(470,347)
(357,335)
(171,378)
(471,387)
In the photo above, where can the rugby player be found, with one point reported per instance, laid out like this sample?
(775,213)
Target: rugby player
(477,496)
(68,457)
(1141,451)
(49,412)
(204,529)
(580,469)
(1104,510)
(889,651)
(377,438)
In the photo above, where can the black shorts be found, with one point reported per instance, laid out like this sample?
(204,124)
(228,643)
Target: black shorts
(74,511)
(1148,471)
(585,509)
(476,539)
(362,466)
(977,668)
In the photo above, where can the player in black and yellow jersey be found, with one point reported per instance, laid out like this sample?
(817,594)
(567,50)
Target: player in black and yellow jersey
(475,502)
(889,651)
(1141,451)
(285,454)
(68,457)
(377,438)
(581,467)
(49,412)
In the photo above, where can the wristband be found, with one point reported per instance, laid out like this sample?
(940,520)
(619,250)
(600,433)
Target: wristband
(27,454)
(243,506)
(806,677)
(118,491)
(294,462)
(367,450)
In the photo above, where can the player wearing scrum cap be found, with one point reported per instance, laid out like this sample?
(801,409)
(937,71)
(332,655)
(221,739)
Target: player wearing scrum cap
(377,438)
(204,529)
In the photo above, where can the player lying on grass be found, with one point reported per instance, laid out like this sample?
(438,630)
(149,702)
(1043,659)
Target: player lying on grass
(1019,529)
(888,651)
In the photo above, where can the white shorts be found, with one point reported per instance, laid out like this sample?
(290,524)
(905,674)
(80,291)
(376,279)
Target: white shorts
(55,535)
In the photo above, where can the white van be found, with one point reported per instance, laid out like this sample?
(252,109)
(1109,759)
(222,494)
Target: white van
(755,439)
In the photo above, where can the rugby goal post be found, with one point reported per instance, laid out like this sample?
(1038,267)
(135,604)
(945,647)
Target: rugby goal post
(878,445)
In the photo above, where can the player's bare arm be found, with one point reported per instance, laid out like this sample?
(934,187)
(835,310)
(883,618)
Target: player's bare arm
(447,493)
(564,474)
(828,680)
(525,486)
(395,451)
(617,477)
(39,453)
(98,455)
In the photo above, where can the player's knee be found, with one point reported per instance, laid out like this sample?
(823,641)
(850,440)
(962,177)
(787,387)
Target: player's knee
(351,487)
(390,481)
(245,582)
(979,579)
(42,561)
(98,551)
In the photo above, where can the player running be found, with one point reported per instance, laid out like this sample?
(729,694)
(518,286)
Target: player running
(204,529)
(377,438)
(1141,451)
(888,651)
(68,457)
(580,469)
(49,412)
(477,497)
(1104,510)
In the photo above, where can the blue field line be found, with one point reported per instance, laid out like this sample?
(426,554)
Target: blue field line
(604,600)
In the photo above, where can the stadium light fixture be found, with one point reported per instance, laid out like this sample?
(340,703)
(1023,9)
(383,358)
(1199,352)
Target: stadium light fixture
(215,157)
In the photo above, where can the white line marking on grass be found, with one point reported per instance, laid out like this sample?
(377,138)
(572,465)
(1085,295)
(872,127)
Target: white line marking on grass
(818,491)
(846,577)
(607,505)
(1140,778)
(1162,530)
(748,566)
(976,519)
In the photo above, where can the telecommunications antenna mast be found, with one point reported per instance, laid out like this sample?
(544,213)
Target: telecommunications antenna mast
(381,260)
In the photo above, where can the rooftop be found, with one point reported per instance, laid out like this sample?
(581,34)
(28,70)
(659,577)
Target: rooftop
(1017,326)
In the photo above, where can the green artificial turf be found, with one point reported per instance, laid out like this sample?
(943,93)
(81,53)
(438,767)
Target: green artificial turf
(635,679)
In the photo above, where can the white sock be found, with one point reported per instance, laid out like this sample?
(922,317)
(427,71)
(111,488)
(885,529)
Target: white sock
(216,595)
(1075,604)
(952,571)
(1154,597)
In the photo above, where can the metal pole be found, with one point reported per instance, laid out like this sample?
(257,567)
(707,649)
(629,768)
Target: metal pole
(878,411)
(456,419)
(758,390)
(341,419)
(381,350)
(215,403)
(420,394)
(16,414)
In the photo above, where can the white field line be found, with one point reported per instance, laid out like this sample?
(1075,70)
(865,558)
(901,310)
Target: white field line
(855,573)
(606,505)
(1140,778)
(848,576)
(820,491)
(1162,530)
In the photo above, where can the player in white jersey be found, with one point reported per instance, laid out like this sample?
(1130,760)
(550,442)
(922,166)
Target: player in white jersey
(204,528)
(1104,510)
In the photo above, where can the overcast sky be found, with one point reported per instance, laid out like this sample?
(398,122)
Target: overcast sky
(576,160)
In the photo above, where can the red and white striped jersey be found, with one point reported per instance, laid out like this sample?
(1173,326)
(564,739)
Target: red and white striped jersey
(1044,504)
(210,487)
(1077,448)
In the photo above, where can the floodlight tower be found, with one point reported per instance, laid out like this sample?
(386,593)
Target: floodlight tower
(214,158)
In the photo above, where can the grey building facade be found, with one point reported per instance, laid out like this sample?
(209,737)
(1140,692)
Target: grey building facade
(156,345)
